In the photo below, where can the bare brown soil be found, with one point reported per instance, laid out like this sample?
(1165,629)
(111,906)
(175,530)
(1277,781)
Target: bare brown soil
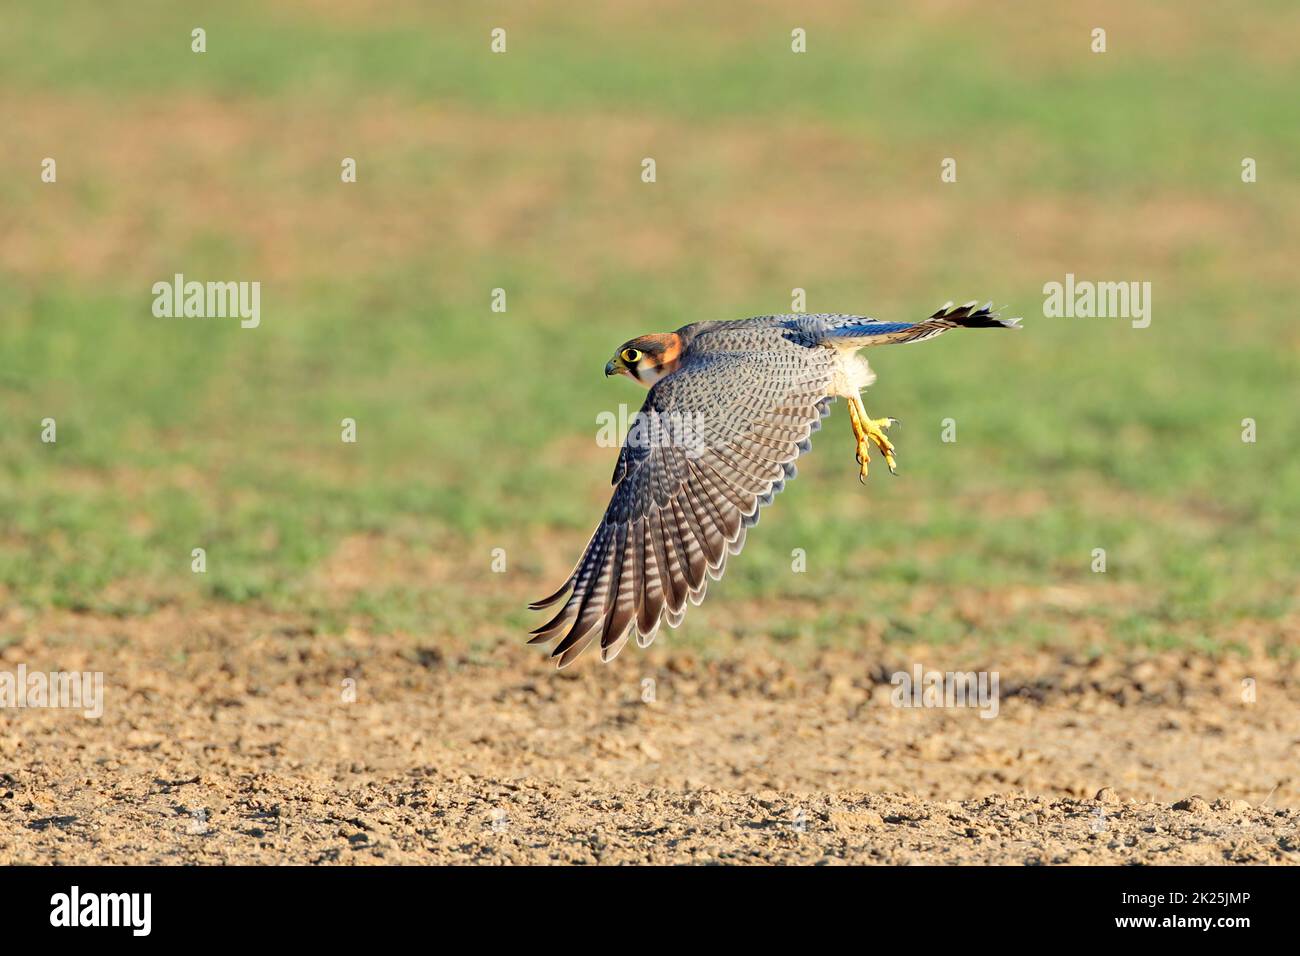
(227,737)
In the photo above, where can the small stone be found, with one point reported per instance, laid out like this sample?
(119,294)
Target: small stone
(846,821)
(1193,804)
(1107,795)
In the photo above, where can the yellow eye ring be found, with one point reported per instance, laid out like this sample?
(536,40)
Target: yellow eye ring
(631,355)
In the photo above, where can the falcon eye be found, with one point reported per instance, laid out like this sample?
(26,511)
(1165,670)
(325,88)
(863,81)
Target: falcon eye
(631,355)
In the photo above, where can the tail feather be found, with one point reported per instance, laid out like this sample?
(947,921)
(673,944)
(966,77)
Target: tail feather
(859,333)
(968,317)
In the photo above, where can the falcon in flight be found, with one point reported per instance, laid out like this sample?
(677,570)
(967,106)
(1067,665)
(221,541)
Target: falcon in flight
(731,406)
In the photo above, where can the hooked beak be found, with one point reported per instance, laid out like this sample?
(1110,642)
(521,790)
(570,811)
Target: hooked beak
(612,367)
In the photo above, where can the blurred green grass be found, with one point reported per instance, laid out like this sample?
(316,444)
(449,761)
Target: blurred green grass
(476,430)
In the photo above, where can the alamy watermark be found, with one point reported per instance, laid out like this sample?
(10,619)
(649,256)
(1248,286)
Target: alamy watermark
(1085,299)
(74,690)
(208,300)
(653,429)
(922,688)
(130,910)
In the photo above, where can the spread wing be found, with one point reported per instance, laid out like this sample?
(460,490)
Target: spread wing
(715,441)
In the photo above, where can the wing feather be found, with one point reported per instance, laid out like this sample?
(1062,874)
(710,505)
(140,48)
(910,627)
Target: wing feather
(749,398)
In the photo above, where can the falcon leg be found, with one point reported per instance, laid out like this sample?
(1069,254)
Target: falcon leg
(869,431)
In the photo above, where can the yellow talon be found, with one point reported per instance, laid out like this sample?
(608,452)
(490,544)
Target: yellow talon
(868,431)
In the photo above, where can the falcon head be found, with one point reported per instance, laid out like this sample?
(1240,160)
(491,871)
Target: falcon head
(648,358)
